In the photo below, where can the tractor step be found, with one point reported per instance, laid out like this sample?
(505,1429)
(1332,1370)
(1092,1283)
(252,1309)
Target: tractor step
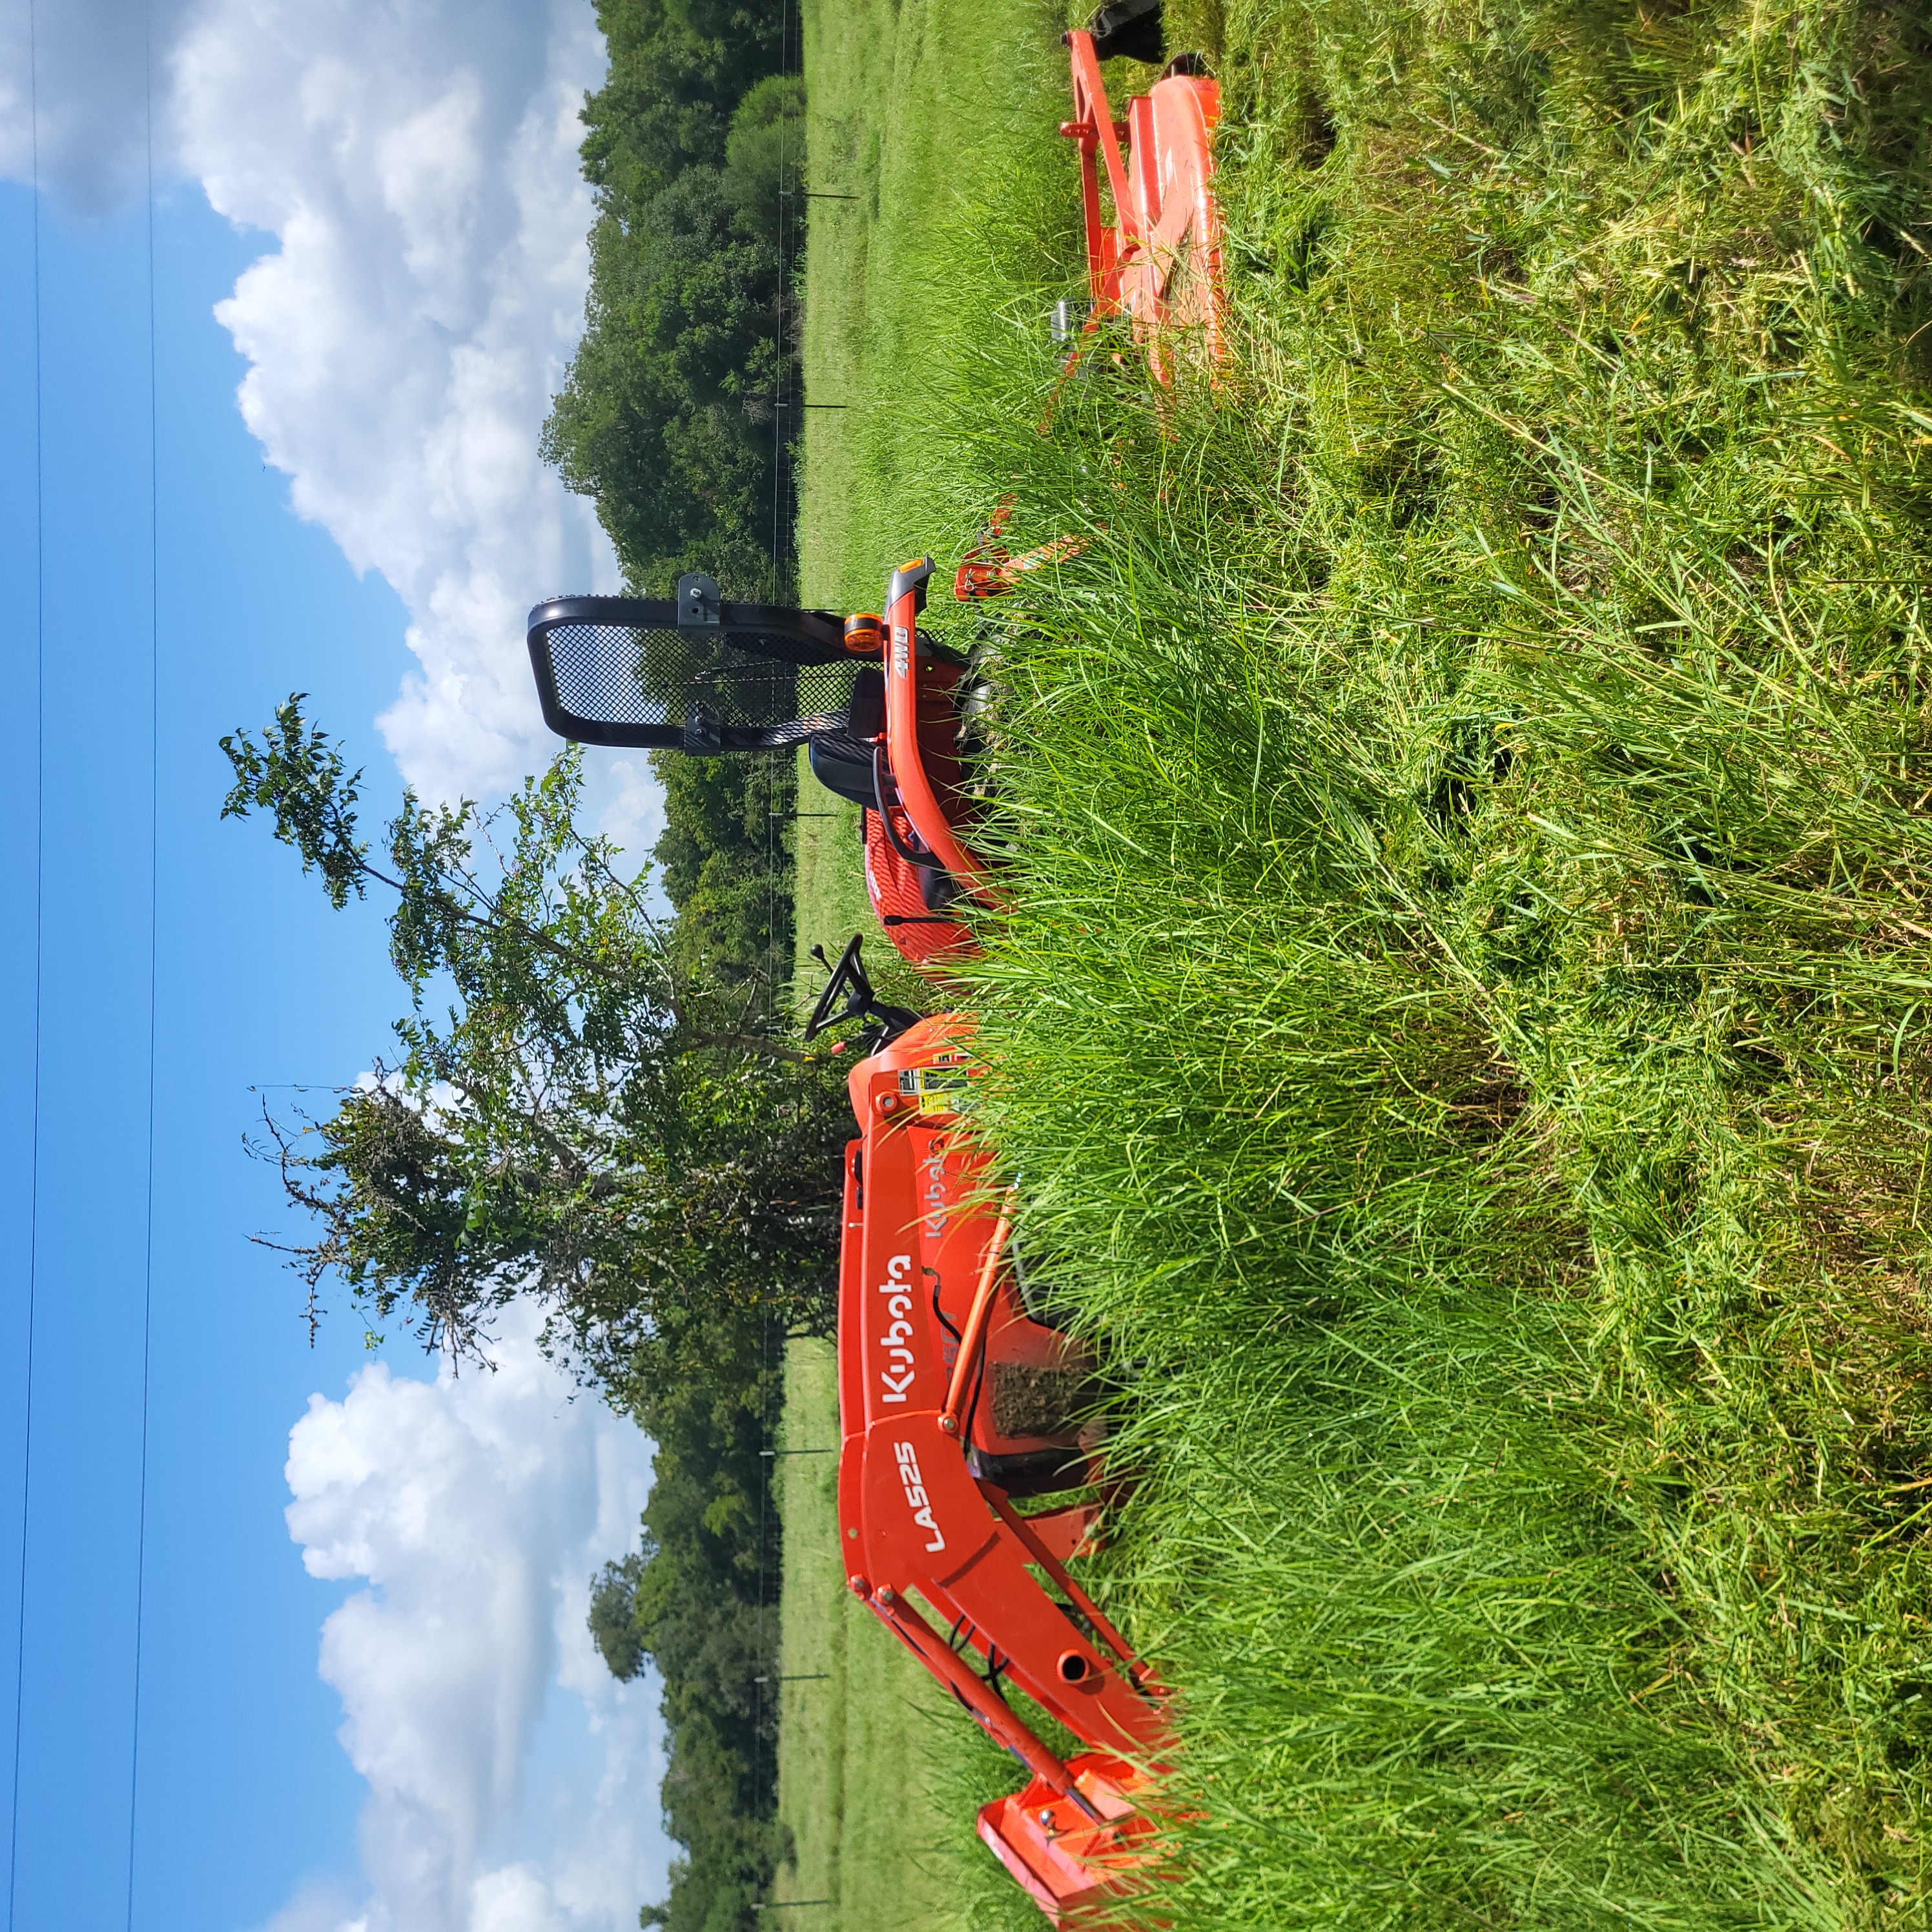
(1070,1865)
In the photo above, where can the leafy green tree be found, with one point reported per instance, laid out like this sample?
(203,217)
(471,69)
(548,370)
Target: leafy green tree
(607,1117)
(725,866)
(595,1120)
(668,416)
(764,155)
(678,69)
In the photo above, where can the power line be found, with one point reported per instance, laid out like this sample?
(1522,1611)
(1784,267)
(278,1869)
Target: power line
(40,868)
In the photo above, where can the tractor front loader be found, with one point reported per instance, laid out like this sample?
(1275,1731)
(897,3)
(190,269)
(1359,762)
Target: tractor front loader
(968,1484)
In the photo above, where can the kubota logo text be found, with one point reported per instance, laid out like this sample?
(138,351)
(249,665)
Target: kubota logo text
(934,1165)
(915,1490)
(895,1344)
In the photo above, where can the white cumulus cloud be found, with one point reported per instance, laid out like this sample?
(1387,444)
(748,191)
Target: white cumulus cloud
(74,85)
(512,1781)
(633,803)
(418,167)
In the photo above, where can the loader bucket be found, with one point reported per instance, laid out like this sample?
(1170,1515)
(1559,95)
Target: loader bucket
(1072,1858)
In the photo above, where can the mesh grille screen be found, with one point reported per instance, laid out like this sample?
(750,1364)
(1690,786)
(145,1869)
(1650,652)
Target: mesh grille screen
(617,674)
(824,687)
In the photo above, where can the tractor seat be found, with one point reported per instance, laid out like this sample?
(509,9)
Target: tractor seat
(842,764)
(841,758)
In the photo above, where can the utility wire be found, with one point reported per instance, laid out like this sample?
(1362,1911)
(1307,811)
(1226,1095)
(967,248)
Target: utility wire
(40,834)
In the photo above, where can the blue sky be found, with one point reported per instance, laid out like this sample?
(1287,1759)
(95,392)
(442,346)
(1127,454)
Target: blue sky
(172,563)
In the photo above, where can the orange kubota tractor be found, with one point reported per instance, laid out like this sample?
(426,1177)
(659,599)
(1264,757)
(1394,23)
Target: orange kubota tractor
(959,1400)
(968,1483)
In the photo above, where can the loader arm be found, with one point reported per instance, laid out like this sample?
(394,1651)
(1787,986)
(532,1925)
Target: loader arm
(929,1315)
(933,1337)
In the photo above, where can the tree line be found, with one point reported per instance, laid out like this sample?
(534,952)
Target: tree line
(672,420)
(674,414)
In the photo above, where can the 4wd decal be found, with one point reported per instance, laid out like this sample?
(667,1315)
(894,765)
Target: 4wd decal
(896,1371)
(915,1490)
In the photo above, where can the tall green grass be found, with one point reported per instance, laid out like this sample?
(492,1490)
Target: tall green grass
(1462,1016)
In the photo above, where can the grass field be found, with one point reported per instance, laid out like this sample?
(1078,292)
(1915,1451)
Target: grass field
(922,110)
(1463,1019)
(851,1781)
(927,111)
